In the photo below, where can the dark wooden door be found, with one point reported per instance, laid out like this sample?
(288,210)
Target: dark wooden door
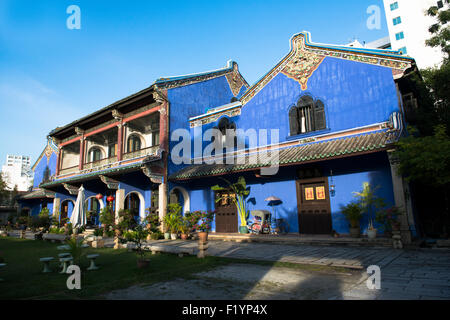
(314,212)
(226,214)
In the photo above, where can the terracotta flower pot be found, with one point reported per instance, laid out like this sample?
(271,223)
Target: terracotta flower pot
(184,236)
(203,236)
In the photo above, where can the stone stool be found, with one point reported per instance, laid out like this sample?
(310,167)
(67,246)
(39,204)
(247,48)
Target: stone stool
(1,266)
(64,262)
(63,255)
(46,261)
(397,242)
(92,257)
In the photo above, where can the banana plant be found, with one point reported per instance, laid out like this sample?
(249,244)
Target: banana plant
(369,201)
(241,191)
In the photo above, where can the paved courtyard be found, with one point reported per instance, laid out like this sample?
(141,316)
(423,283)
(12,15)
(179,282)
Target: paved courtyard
(405,274)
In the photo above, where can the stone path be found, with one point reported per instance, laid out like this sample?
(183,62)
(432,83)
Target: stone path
(350,257)
(416,274)
(411,275)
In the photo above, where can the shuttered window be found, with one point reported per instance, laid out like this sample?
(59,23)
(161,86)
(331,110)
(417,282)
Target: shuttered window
(307,116)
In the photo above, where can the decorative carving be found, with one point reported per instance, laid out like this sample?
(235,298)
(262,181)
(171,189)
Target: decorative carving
(312,55)
(235,82)
(303,64)
(79,131)
(117,115)
(72,189)
(154,177)
(159,97)
(214,117)
(110,183)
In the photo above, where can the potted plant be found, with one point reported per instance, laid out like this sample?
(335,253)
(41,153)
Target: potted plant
(137,236)
(369,204)
(353,213)
(241,191)
(172,219)
(202,223)
(107,219)
(389,219)
(185,227)
(152,223)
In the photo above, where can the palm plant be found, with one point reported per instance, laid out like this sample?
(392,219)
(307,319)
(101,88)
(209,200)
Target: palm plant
(75,249)
(369,202)
(241,191)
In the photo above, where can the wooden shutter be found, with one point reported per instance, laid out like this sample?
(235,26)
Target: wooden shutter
(319,116)
(293,121)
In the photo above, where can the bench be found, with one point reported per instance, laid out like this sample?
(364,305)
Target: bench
(55,237)
(171,249)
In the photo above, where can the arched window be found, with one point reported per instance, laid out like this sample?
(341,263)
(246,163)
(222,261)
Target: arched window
(307,116)
(95,154)
(134,143)
(228,130)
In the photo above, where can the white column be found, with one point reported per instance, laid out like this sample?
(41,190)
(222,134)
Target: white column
(56,205)
(402,200)
(162,202)
(120,202)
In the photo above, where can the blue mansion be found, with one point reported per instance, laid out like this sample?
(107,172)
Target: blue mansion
(337,112)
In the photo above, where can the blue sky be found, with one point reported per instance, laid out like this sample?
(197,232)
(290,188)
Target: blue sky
(50,75)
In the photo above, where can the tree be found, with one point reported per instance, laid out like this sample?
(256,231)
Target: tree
(437,79)
(424,155)
(425,159)
(3,188)
(440,30)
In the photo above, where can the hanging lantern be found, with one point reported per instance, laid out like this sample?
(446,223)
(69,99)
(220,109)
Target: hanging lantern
(99,196)
(110,199)
(332,185)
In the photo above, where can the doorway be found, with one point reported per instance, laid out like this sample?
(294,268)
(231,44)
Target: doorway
(314,211)
(226,213)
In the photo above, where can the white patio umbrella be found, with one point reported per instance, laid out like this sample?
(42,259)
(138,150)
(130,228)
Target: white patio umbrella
(78,218)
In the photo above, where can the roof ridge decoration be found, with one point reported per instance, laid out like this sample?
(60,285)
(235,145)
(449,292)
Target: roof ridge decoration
(183,80)
(305,57)
(49,149)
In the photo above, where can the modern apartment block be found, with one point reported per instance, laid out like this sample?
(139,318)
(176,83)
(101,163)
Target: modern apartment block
(408,27)
(17,172)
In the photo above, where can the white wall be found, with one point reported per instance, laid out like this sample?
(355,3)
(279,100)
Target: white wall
(415,26)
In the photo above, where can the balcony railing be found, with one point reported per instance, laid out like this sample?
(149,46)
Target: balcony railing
(108,162)
(99,163)
(140,153)
(68,170)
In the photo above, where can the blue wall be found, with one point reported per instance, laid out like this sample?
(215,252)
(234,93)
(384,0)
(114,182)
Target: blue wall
(349,174)
(40,169)
(355,94)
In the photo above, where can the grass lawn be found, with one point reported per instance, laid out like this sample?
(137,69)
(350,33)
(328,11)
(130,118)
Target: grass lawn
(23,277)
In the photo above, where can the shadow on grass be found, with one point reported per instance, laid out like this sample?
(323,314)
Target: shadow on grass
(23,277)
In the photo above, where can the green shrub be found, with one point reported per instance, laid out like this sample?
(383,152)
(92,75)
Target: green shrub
(353,213)
(156,235)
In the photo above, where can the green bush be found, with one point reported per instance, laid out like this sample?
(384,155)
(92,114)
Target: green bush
(353,213)
(156,235)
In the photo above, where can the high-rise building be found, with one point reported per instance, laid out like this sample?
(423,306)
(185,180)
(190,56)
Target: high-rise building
(17,172)
(408,27)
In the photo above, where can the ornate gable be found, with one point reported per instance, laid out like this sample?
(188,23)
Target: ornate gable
(305,57)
